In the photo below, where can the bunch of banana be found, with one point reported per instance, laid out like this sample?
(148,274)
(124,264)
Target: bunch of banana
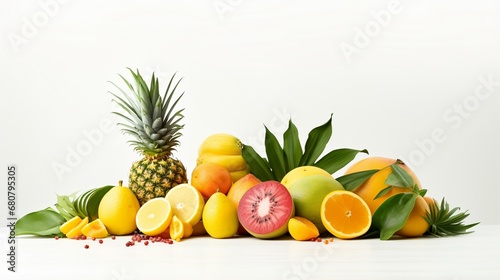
(224,149)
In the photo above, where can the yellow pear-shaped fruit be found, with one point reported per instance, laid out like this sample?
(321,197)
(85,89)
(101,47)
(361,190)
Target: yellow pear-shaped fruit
(117,210)
(220,216)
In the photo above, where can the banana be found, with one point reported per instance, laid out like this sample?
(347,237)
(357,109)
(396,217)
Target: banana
(222,144)
(230,162)
(236,175)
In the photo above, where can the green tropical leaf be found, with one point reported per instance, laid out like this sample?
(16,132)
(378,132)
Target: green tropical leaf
(393,214)
(291,146)
(258,166)
(351,181)
(316,143)
(275,155)
(42,223)
(93,201)
(337,159)
(399,177)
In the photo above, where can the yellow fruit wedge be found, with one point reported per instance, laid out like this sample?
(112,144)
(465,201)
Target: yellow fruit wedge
(154,216)
(302,229)
(70,224)
(187,203)
(77,230)
(177,229)
(95,229)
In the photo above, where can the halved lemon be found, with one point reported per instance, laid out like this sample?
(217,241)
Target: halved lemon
(95,229)
(187,203)
(345,214)
(154,216)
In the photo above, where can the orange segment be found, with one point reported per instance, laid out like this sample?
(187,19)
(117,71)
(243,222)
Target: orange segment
(77,230)
(95,229)
(345,214)
(187,203)
(70,224)
(154,216)
(302,229)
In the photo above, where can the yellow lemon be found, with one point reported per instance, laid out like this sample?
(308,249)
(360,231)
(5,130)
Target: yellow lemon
(220,216)
(117,210)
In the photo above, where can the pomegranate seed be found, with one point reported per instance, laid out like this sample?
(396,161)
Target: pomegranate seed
(113,237)
(84,237)
(318,239)
(77,238)
(326,241)
(146,243)
(100,241)
(57,237)
(170,241)
(86,246)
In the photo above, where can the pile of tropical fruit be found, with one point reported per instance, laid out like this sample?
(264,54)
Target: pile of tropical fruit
(290,191)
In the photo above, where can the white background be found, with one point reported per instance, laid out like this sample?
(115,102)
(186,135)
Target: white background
(249,63)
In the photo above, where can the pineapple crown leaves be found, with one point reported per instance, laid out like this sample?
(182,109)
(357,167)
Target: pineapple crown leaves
(282,159)
(444,221)
(152,119)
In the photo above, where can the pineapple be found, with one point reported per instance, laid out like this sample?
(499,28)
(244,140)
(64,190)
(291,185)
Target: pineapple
(155,128)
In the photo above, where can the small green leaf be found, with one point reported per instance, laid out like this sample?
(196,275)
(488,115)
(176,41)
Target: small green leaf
(291,146)
(42,223)
(399,177)
(383,192)
(393,214)
(422,192)
(258,166)
(275,155)
(337,159)
(354,180)
(316,143)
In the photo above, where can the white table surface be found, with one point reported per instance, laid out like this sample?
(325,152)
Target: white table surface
(474,256)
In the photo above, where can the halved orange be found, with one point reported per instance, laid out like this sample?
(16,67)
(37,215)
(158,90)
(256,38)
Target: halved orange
(345,214)
(154,216)
(95,229)
(70,224)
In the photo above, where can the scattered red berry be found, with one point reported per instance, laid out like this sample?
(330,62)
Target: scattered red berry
(83,237)
(113,237)
(57,237)
(318,239)
(100,241)
(86,246)
(146,243)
